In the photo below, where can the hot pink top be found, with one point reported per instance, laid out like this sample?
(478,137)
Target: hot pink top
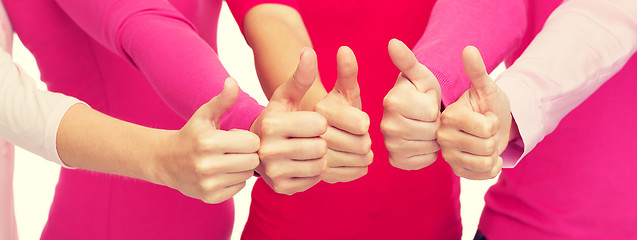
(576,113)
(388,203)
(146,62)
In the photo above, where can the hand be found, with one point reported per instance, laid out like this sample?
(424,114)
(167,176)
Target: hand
(292,151)
(475,129)
(348,142)
(412,110)
(208,163)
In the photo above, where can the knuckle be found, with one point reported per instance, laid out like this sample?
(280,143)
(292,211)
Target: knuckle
(253,142)
(391,101)
(489,145)
(283,188)
(321,107)
(269,126)
(266,153)
(273,172)
(253,161)
(364,146)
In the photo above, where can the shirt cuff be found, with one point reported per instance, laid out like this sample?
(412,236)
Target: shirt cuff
(52,126)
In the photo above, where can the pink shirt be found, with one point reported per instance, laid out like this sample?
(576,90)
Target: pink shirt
(146,62)
(572,95)
(387,203)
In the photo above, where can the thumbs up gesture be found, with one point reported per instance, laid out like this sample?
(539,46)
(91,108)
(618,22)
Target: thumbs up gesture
(348,141)
(411,115)
(207,163)
(292,151)
(475,129)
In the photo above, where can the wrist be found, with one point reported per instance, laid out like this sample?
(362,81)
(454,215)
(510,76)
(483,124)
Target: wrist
(161,150)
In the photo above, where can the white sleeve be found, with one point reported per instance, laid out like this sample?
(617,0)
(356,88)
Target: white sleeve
(30,117)
(582,45)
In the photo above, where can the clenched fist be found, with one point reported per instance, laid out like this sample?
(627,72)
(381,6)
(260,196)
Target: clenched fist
(412,110)
(475,129)
(348,141)
(292,151)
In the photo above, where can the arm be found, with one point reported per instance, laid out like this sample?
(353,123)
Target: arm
(496,27)
(590,41)
(60,129)
(543,85)
(187,71)
(438,76)
(276,32)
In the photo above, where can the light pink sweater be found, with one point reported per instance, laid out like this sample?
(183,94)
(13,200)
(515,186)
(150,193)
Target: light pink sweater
(576,113)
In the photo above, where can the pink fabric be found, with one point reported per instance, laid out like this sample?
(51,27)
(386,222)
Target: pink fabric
(136,61)
(575,179)
(8,229)
(239,8)
(388,203)
(496,28)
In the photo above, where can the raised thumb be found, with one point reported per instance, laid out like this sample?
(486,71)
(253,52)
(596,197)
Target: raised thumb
(346,81)
(405,60)
(474,67)
(214,109)
(292,91)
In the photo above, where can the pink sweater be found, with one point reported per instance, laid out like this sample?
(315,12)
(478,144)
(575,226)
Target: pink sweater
(145,62)
(575,111)
(388,203)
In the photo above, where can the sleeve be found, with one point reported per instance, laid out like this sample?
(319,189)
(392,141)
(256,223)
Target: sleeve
(30,117)
(240,8)
(582,45)
(495,27)
(182,67)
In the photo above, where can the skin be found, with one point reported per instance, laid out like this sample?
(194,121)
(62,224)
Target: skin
(276,33)
(477,128)
(411,112)
(292,151)
(199,160)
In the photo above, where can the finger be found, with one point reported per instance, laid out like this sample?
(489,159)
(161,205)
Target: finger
(412,104)
(461,141)
(414,162)
(217,106)
(292,91)
(216,164)
(343,141)
(346,81)
(396,125)
(294,185)
(294,148)
(344,117)
(343,174)
(465,119)
(344,159)
(233,141)
(474,67)
(294,124)
(401,148)
(223,194)
(217,182)
(407,63)
(472,175)
(475,163)
(296,168)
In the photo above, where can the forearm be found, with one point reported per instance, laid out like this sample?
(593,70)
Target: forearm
(495,27)
(582,45)
(88,139)
(277,35)
(163,45)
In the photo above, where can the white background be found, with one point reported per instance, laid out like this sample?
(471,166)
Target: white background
(35,178)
